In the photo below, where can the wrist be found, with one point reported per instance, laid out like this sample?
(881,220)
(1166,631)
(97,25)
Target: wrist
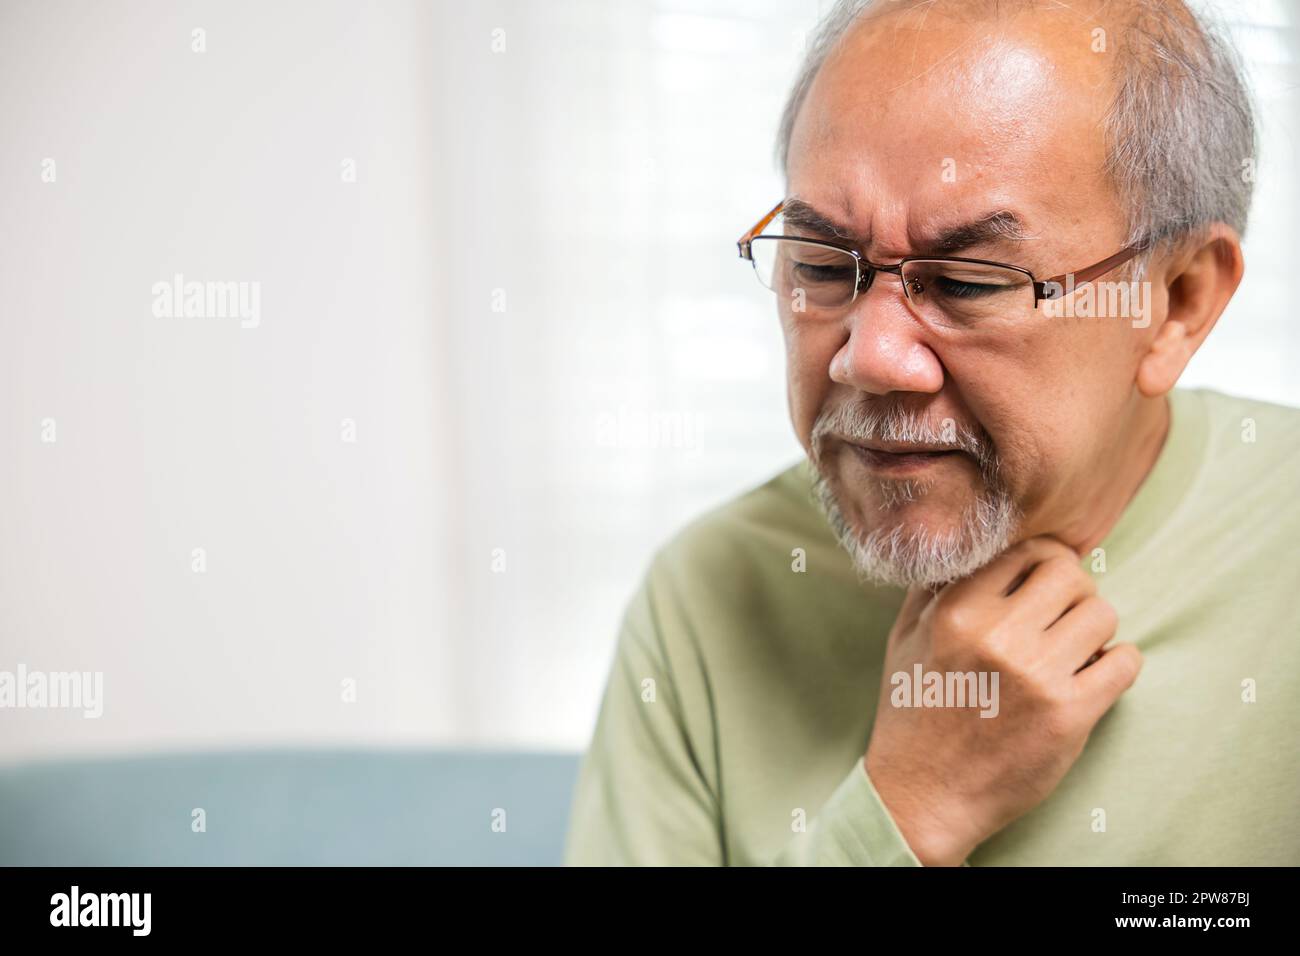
(931,839)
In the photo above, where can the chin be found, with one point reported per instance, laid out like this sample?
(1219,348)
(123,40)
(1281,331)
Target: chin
(917,533)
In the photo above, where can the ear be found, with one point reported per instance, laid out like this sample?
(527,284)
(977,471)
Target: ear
(1199,281)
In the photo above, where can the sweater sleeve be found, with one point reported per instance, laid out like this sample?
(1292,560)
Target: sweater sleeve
(642,796)
(853,828)
(646,796)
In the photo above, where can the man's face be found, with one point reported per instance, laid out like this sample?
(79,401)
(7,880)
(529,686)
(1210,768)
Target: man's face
(915,125)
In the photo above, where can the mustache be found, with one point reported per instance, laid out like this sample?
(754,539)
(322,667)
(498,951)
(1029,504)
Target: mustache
(864,421)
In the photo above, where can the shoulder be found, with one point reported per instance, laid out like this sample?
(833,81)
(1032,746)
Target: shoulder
(758,568)
(1244,434)
(1223,407)
(1246,489)
(747,540)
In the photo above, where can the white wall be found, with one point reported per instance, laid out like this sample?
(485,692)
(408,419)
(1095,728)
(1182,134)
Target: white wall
(178,433)
(593,176)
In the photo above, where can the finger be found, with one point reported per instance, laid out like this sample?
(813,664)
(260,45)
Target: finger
(1102,683)
(914,603)
(1001,575)
(1051,588)
(1080,634)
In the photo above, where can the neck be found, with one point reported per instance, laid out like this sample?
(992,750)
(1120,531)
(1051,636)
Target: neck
(1137,455)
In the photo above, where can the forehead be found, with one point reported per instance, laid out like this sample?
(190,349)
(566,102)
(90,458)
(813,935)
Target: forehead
(912,115)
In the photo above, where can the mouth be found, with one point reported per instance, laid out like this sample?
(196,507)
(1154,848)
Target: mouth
(900,459)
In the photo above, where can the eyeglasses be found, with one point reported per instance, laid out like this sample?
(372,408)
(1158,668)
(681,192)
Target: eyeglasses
(824,278)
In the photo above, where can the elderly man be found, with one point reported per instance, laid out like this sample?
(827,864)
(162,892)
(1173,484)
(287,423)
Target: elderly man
(1025,602)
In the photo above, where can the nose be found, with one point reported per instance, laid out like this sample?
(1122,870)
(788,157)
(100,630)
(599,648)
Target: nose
(886,349)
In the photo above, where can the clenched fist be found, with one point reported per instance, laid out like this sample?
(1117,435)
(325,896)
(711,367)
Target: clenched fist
(951,778)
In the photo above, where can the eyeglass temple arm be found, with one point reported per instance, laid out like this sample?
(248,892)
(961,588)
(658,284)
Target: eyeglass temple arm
(1056,287)
(743,243)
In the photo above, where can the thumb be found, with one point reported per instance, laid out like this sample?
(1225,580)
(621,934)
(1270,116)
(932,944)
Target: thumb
(914,602)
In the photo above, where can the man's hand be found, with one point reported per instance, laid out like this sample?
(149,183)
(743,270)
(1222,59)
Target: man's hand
(951,778)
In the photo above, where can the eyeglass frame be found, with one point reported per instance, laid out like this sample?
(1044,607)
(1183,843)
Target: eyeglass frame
(1049,289)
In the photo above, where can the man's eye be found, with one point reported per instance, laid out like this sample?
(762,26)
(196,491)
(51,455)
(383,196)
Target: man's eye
(812,272)
(957,289)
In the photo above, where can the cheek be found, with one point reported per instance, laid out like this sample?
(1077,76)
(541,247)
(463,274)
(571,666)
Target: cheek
(1029,447)
(808,354)
(1044,398)
(1004,391)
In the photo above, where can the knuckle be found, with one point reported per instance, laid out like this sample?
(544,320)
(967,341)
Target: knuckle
(1042,690)
(1109,616)
(1131,662)
(954,619)
(995,643)
(1067,575)
(1120,667)
(1058,725)
(992,659)
(1049,547)
(1086,582)
(1101,614)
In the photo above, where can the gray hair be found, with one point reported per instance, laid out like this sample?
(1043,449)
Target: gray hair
(1180,132)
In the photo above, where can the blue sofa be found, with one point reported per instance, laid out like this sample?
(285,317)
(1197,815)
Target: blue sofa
(289,808)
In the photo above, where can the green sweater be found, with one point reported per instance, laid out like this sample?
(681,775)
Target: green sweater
(743,690)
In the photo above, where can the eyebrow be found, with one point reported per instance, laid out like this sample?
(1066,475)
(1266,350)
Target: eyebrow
(1001,226)
(995,227)
(796,212)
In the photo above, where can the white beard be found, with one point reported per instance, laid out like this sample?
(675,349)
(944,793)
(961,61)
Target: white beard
(890,554)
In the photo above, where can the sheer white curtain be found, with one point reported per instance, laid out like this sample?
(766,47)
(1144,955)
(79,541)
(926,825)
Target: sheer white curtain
(603,165)
(1255,348)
